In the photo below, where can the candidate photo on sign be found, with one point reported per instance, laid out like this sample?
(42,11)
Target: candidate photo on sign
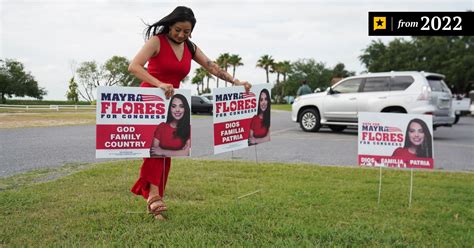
(173,138)
(418,141)
(260,125)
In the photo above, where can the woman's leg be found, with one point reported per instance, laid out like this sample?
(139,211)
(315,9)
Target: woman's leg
(152,182)
(159,189)
(154,173)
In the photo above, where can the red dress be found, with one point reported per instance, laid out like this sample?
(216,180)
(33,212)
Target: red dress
(165,134)
(259,131)
(403,153)
(166,67)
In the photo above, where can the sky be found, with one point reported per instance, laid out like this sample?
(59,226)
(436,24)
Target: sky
(52,37)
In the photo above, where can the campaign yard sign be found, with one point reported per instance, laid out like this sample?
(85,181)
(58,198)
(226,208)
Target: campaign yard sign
(129,121)
(241,119)
(395,140)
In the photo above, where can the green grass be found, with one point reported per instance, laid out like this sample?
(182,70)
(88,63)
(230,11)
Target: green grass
(20,120)
(286,107)
(299,205)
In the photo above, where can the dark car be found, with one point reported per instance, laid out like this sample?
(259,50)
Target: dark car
(200,104)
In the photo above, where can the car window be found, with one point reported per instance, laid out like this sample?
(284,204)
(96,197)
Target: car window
(401,82)
(348,86)
(206,100)
(208,96)
(437,85)
(376,84)
(195,99)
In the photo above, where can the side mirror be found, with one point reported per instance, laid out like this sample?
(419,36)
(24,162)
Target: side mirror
(331,91)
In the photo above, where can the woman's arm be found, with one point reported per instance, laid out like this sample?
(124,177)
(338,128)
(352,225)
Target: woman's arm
(253,140)
(215,70)
(263,139)
(158,151)
(136,67)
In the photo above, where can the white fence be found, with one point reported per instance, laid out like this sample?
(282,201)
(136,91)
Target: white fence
(48,107)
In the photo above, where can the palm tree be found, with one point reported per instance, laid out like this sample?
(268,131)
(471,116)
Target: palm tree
(223,62)
(265,62)
(235,61)
(278,68)
(285,69)
(207,75)
(197,81)
(198,78)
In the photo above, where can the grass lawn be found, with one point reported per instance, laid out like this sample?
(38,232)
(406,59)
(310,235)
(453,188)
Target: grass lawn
(46,119)
(286,107)
(299,205)
(53,118)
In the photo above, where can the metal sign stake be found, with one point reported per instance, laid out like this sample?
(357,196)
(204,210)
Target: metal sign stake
(259,190)
(411,188)
(380,184)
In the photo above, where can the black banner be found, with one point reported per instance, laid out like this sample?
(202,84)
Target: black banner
(421,23)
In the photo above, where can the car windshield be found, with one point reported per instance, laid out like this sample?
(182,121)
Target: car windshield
(206,100)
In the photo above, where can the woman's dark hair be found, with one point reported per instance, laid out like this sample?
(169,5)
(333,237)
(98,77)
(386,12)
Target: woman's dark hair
(183,128)
(179,14)
(425,149)
(266,113)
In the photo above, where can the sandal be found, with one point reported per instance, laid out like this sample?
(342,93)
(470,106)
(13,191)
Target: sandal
(161,207)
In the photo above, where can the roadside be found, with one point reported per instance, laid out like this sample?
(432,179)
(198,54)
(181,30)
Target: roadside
(48,118)
(20,120)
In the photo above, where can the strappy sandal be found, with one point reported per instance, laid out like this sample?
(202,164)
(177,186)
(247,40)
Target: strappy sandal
(161,207)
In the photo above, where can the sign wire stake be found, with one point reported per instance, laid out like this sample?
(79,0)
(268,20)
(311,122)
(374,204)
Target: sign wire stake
(258,190)
(380,184)
(411,188)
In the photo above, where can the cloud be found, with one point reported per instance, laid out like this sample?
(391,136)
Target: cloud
(47,35)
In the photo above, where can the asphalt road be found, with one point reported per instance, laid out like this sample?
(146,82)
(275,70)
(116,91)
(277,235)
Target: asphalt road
(26,149)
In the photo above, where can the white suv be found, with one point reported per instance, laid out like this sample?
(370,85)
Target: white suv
(397,92)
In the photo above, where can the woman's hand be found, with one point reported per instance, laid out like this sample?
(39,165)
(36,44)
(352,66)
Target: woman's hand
(252,141)
(168,89)
(246,85)
(156,151)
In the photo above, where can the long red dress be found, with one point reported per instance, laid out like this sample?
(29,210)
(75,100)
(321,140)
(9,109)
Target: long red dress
(166,67)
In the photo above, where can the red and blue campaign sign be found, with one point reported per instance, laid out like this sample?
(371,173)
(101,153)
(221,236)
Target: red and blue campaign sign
(140,122)
(240,118)
(396,140)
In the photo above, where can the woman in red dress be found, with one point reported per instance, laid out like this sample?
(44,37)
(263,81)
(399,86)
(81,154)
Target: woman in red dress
(260,125)
(417,141)
(168,52)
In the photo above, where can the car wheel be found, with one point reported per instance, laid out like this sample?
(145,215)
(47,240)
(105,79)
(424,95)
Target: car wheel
(457,119)
(310,120)
(337,128)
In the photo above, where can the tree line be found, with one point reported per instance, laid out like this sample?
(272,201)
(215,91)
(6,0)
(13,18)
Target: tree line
(15,81)
(452,56)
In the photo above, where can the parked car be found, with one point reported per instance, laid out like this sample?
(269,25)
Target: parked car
(200,104)
(396,92)
(208,96)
